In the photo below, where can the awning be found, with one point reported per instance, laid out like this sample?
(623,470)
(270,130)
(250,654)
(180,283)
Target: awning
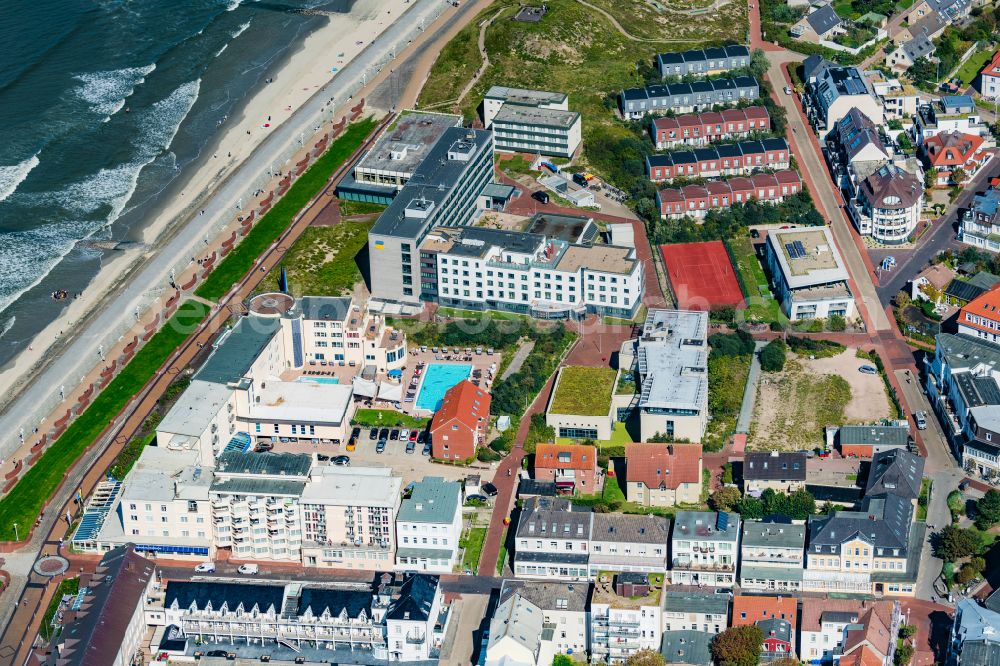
(395,373)
(390,392)
(364,387)
(565,484)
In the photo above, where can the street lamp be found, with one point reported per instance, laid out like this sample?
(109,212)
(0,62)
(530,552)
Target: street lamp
(16,538)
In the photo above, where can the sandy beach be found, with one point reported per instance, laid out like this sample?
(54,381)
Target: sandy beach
(306,71)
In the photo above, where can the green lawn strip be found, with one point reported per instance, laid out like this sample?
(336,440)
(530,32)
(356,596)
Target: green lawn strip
(349,208)
(66,586)
(583,391)
(388,418)
(126,459)
(925,498)
(502,557)
(322,261)
(270,227)
(619,438)
(24,502)
(727,379)
(472,542)
(971,67)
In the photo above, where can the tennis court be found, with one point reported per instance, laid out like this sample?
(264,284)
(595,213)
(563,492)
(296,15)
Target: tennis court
(701,275)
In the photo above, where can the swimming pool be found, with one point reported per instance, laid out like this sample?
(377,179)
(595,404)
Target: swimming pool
(319,380)
(438,378)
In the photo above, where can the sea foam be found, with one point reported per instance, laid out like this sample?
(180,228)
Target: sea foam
(107,91)
(12,176)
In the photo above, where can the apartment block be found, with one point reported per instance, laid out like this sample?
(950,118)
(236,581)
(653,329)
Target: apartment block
(703,62)
(429,526)
(491,269)
(552,540)
(687,97)
(771,556)
(531,121)
(808,274)
(625,615)
(704,548)
(696,201)
(695,610)
(534,621)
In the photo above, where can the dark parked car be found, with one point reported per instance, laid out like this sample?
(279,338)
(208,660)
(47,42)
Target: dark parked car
(427,449)
(373,433)
(541,197)
(422,437)
(322,457)
(394,434)
(380,447)
(342,461)
(383,433)
(478,498)
(490,490)
(356,432)
(411,447)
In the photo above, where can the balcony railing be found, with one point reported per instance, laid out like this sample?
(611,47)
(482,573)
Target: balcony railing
(703,566)
(415,640)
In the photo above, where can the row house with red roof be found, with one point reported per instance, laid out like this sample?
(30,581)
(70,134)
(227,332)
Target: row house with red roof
(701,129)
(696,200)
(738,159)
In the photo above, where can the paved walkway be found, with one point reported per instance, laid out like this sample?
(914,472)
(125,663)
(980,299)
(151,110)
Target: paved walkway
(750,392)
(518,359)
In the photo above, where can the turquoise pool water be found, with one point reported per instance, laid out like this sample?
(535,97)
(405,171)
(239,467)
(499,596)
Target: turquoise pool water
(319,380)
(438,378)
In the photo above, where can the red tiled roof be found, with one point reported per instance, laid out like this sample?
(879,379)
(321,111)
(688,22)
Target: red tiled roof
(667,465)
(951,148)
(787,177)
(711,118)
(813,609)
(863,657)
(581,457)
(986,306)
(877,622)
(751,609)
(993,68)
(756,112)
(689,121)
(464,402)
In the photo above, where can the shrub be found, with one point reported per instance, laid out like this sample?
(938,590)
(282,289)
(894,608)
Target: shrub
(772,356)
(725,499)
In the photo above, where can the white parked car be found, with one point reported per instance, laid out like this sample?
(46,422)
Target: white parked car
(248,569)
(205,567)
(921,419)
(403,434)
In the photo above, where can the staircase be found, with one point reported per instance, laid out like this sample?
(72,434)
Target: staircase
(290,609)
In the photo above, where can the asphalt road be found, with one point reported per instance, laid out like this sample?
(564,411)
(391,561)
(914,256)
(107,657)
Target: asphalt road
(940,237)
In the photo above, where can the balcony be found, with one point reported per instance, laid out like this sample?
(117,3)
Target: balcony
(702,566)
(414,639)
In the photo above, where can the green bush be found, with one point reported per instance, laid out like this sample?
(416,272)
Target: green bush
(772,356)
(813,347)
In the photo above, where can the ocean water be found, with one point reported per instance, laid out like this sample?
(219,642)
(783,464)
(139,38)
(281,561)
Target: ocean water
(103,105)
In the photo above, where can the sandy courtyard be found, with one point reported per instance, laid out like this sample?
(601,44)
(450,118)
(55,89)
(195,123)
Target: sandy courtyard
(794,406)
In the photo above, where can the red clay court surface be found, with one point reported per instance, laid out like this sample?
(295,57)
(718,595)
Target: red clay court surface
(701,275)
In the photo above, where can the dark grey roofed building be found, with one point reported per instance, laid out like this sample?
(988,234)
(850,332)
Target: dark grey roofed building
(238,463)
(686,97)
(896,471)
(918,47)
(444,189)
(823,20)
(961,292)
(707,603)
(100,629)
(415,600)
(775,465)
(883,522)
(233,355)
(700,62)
(687,648)
(813,65)
(877,436)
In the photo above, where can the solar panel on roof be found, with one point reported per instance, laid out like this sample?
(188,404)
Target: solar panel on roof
(722,522)
(791,250)
(800,248)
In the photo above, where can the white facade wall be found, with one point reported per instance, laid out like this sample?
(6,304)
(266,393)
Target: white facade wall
(617,633)
(177,518)
(430,536)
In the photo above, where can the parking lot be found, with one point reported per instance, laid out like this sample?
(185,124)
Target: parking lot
(410,466)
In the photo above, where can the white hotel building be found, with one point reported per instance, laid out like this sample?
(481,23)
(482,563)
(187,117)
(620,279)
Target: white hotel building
(489,269)
(532,121)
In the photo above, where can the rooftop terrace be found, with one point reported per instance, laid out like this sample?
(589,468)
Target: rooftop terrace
(583,391)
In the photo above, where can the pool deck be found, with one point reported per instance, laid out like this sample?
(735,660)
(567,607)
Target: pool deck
(346,373)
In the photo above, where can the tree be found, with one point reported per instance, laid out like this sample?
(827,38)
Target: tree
(923,72)
(837,323)
(904,653)
(645,658)
(930,178)
(801,504)
(988,510)
(562,660)
(750,508)
(758,63)
(954,543)
(772,356)
(725,499)
(958,176)
(905,144)
(738,646)
(906,630)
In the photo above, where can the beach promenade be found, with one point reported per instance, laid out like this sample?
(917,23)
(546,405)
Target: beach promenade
(26,597)
(28,400)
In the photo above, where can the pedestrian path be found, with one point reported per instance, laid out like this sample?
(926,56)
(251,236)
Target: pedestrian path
(750,392)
